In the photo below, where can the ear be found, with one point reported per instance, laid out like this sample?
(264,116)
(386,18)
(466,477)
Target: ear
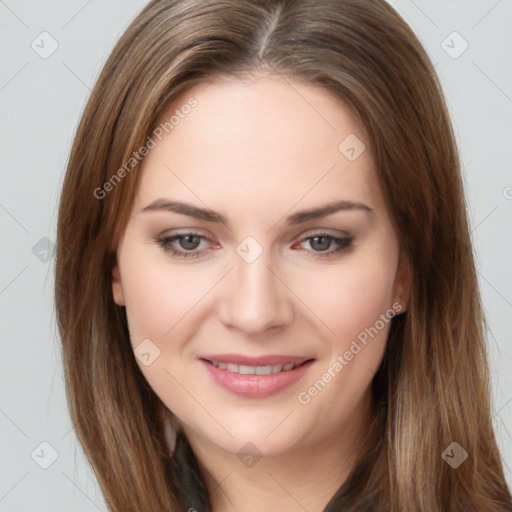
(117,287)
(403,282)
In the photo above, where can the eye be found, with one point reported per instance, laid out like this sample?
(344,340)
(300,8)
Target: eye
(185,245)
(324,244)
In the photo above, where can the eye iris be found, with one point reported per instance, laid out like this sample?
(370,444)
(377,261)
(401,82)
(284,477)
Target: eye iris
(189,242)
(320,243)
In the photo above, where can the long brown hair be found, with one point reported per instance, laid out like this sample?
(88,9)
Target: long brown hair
(432,388)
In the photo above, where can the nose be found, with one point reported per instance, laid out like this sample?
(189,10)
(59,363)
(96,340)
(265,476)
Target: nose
(254,299)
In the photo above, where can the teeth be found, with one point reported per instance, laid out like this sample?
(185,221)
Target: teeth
(254,370)
(263,370)
(246,370)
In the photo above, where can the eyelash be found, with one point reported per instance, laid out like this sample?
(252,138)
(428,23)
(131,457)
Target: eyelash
(165,243)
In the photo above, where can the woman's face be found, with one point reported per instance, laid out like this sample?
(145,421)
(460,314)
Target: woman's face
(259,267)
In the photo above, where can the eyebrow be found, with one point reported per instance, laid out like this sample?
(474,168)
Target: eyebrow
(212,216)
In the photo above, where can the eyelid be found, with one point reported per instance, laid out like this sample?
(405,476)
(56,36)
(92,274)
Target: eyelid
(326,232)
(168,233)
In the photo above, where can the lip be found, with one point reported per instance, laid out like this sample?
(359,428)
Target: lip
(256,386)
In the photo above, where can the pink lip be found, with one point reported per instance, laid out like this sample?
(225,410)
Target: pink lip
(256,386)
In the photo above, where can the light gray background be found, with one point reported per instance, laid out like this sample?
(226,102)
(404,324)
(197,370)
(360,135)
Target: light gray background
(40,102)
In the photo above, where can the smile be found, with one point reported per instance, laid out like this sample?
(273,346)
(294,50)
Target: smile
(255,377)
(254,370)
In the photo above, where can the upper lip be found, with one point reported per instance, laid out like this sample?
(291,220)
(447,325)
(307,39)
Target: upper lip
(255,361)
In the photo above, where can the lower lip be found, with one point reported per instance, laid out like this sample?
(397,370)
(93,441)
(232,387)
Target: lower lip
(256,386)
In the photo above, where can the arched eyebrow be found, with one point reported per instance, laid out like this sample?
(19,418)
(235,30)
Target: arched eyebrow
(209,215)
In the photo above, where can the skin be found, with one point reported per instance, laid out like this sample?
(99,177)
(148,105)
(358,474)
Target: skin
(257,151)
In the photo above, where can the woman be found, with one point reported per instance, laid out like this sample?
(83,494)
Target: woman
(265,287)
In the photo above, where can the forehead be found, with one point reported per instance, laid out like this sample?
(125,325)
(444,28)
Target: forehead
(264,140)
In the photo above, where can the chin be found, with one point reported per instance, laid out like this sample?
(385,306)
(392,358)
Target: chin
(254,440)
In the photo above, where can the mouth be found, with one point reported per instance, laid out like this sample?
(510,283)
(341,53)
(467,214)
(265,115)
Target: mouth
(244,369)
(256,377)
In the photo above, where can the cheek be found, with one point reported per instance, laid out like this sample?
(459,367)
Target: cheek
(162,304)
(356,303)
(350,298)
(158,297)
(146,299)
